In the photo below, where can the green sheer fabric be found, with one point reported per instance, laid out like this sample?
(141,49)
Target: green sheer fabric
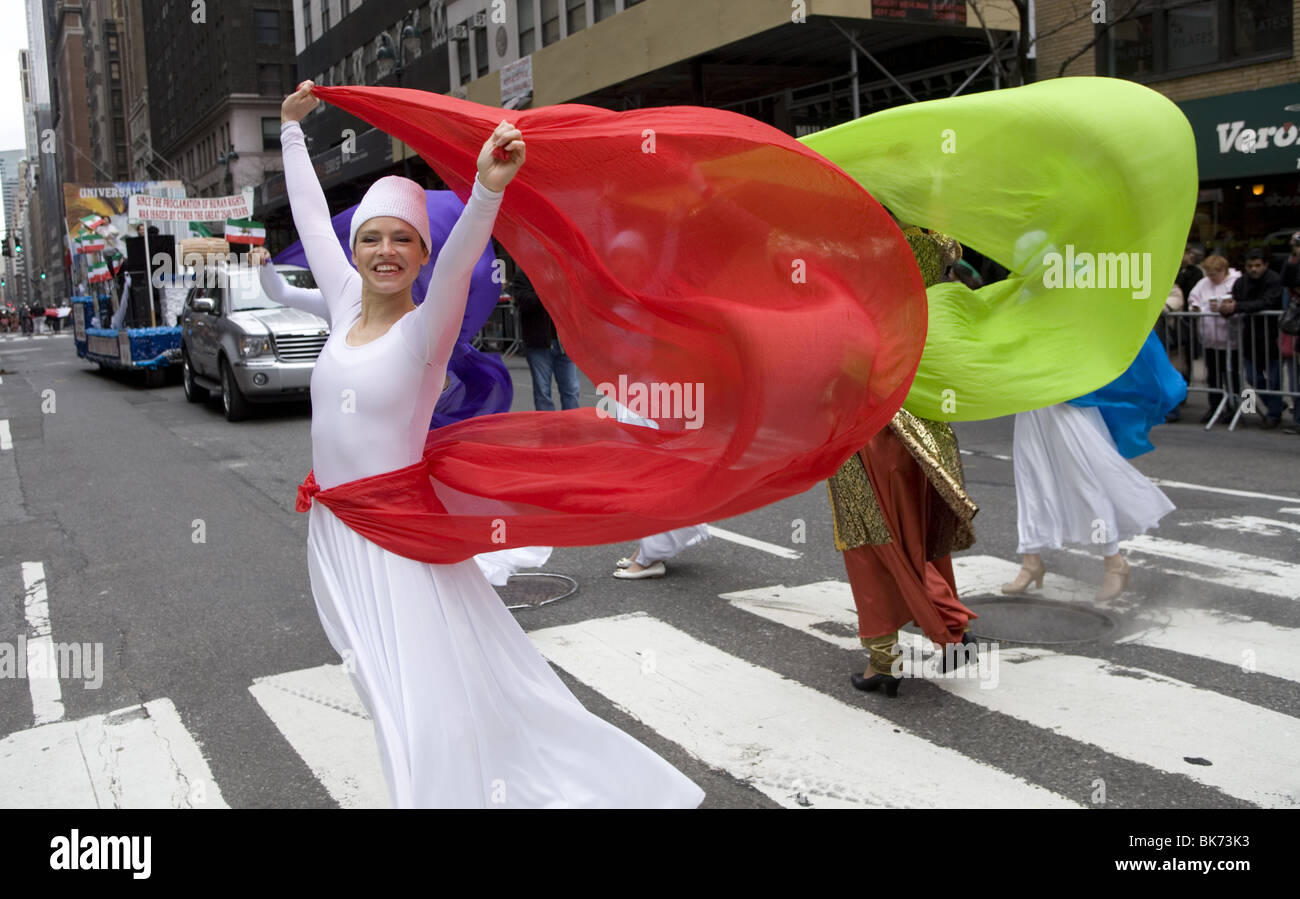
(1083,187)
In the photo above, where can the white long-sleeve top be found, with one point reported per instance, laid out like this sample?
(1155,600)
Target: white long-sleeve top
(1215,329)
(371,404)
(308,299)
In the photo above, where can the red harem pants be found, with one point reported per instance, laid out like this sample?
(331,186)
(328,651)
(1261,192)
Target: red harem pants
(892,582)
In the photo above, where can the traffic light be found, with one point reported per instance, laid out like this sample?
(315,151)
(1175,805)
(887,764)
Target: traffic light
(42,276)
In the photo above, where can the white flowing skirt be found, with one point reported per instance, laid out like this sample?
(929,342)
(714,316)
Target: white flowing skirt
(499,566)
(467,713)
(1073,486)
(662,547)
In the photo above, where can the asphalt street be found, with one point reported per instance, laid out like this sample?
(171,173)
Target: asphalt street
(107,483)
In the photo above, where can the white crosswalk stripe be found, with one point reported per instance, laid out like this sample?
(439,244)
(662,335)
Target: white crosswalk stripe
(792,743)
(138,757)
(797,745)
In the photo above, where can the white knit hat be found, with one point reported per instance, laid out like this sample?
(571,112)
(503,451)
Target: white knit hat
(397,197)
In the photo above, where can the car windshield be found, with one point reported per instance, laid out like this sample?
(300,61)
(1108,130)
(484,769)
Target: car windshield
(300,277)
(245,292)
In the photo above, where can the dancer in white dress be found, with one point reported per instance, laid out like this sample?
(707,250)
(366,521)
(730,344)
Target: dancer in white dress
(466,711)
(499,566)
(1073,486)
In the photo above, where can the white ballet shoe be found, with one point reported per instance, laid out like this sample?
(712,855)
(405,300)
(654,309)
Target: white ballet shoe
(658,569)
(623,562)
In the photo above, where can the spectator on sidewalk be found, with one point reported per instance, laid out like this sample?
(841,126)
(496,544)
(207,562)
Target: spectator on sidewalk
(1216,331)
(546,358)
(1259,291)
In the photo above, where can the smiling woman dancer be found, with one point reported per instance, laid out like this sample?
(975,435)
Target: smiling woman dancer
(466,711)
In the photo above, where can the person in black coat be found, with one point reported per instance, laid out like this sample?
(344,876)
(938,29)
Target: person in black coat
(1259,290)
(546,358)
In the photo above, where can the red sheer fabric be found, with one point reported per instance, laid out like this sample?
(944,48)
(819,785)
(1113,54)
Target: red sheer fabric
(677,249)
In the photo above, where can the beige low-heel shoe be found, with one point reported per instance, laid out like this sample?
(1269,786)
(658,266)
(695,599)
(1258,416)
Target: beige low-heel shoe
(1116,579)
(1032,570)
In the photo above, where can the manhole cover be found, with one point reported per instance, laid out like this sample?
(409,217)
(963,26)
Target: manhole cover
(528,591)
(1037,621)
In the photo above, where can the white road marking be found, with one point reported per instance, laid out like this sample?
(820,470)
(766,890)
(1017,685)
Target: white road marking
(785,739)
(1214,566)
(6,441)
(1161,482)
(138,757)
(320,714)
(804,608)
(772,548)
(1223,637)
(1247,524)
(42,673)
(1249,494)
(1239,748)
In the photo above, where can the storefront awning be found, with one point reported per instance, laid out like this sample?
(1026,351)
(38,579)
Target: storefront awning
(1247,134)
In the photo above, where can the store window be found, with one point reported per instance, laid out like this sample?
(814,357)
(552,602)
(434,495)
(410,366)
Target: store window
(268,81)
(576,15)
(1261,26)
(462,58)
(550,22)
(266,26)
(1171,38)
(527,26)
(270,134)
(480,52)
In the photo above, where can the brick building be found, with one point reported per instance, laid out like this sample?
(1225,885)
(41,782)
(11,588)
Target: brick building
(1231,67)
(217,73)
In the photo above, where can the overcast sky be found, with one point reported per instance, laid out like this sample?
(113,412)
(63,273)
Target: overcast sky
(13,37)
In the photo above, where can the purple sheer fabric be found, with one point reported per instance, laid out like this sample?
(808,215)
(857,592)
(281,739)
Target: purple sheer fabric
(480,383)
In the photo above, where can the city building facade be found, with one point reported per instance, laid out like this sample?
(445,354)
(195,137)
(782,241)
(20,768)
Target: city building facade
(217,73)
(1231,67)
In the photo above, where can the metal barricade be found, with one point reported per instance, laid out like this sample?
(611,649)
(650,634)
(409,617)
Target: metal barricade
(1236,361)
(1267,377)
(502,332)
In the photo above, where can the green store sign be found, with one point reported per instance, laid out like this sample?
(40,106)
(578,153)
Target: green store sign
(1246,134)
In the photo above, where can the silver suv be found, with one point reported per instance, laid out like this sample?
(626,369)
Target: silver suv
(239,343)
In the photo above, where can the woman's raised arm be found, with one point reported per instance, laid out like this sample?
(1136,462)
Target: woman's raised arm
(311,215)
(284,293)
(433,329)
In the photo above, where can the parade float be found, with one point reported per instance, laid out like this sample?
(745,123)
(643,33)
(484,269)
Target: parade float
(127,316)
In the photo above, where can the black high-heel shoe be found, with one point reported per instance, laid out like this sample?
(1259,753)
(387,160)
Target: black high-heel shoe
(959,656)
(875,682)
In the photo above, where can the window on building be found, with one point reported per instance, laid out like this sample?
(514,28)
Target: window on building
(347,8)
(462,58)
(269,83)
(324,16)
(117,101)
(527,26)
(1261,27)
(480,52)
(112,43)
(115,71)
(266,26)
(550,22)
(604,9)
(576,16)
(1179,37)
(270,134)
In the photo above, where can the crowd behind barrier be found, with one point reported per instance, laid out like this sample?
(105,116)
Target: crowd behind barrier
(1210,351)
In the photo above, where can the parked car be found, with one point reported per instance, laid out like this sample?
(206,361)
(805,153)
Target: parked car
(239,343)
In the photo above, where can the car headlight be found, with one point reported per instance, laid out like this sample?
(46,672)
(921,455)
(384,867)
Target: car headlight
(255,346)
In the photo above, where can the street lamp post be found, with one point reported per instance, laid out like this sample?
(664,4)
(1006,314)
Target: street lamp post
(227,158)
(397,60)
